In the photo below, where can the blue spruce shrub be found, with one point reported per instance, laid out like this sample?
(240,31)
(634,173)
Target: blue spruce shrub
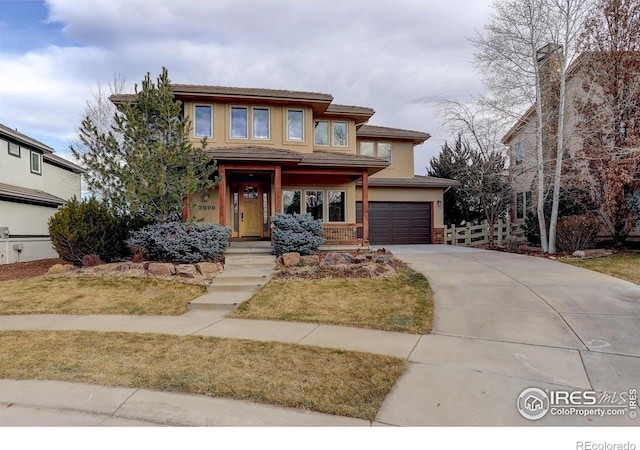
(296,233)
(183,243)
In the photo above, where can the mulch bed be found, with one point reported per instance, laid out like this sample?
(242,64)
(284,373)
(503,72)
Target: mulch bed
(21,270)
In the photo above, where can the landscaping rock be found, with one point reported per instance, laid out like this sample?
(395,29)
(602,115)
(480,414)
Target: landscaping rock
(161,269)
(361,259)
(209,269)
(334,259)
(60,268)
(579,254)
(310,260)
(186,271)
(290,259)
(385,258)
(131,266)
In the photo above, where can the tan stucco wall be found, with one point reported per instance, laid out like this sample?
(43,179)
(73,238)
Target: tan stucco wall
(202,210)
(277,132)
(401,161)
(386,194)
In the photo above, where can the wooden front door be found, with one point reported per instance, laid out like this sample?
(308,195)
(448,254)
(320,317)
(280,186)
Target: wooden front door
(250,210)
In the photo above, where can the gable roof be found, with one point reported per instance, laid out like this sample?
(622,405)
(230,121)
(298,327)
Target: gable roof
(372,131)
(19,194)
(23,139)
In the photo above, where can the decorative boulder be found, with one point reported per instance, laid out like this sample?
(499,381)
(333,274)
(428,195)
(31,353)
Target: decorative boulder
(162,269)
(334,259)
(310,260)
(579,254)
(186,271)
(209,269)
(290,259)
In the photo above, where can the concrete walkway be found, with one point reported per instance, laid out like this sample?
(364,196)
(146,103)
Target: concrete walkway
(503,323)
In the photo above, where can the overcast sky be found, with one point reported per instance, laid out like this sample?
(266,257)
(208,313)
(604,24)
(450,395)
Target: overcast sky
(399,57)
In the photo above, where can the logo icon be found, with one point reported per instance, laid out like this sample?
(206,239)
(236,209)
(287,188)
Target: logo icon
(533,403)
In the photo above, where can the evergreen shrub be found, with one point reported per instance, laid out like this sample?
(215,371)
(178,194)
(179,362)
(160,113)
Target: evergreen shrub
(180,242)
(89,227)
(296,233)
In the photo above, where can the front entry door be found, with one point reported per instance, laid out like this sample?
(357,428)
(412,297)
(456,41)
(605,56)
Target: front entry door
(250,211)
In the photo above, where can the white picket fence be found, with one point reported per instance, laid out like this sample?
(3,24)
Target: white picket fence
(475,235)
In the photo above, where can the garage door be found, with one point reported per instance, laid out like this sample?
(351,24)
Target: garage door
(398,222)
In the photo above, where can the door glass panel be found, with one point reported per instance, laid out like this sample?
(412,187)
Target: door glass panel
(314,202)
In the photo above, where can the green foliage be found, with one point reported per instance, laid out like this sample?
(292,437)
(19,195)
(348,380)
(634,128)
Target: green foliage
(184,243)
(296,233)
(89,228)
(146,163)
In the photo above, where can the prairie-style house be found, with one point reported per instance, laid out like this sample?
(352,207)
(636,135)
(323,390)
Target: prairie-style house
(282,151)
(34,182)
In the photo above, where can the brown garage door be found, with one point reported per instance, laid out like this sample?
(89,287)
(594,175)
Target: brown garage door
(398,222)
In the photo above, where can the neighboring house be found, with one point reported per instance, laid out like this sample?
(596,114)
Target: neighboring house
(298,152)
(34,182)
(521,138)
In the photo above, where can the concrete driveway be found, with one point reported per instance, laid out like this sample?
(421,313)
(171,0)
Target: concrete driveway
(505,323)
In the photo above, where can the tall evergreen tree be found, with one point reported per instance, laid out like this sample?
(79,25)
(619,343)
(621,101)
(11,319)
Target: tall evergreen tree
(146,163)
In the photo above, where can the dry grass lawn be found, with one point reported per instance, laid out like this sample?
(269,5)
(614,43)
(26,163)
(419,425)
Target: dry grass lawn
(331,381)
(401,303)
(95,296)
(624,266)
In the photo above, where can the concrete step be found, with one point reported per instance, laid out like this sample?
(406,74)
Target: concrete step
(248,251)
(234,287)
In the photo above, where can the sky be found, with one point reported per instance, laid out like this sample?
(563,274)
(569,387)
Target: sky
(400,57)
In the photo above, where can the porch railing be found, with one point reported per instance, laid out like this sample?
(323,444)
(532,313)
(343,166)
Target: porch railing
(343,233)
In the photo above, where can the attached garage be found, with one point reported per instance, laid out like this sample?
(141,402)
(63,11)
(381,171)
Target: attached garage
(398,222)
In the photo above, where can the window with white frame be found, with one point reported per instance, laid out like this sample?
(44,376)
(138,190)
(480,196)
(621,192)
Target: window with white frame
(523,204)
(295,125)
(239,123)
(325,205)
(321,135)
(36,163)
(340,134)
(518,153)
(14,149)
(204,121)
(261,125)
(382,150)
(291,201)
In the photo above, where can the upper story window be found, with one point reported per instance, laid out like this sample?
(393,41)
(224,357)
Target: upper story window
(295,125)
(340,134)
(518,153)
(36,163)
(14,149)
(239,123)
(321,135)
(382,150)
(204,121)
(261,127)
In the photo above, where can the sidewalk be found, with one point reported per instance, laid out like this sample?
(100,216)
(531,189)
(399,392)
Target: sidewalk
(503,323)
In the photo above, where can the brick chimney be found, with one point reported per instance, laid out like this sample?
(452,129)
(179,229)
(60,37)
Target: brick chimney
(549,64)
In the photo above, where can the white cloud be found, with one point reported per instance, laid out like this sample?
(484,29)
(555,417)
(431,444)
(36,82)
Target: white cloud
(398,57)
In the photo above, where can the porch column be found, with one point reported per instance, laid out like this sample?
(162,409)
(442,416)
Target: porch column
(185,207)
(222,195)
(365,206)
(277,187)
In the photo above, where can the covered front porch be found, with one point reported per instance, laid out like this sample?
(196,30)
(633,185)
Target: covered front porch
(257,184)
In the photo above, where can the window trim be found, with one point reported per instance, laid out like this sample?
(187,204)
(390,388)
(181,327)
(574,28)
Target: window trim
(246,126)
(375,150)
(37,171)
(325,201)
(315,123)
(518,148)
(523,204)
(333,133)
(195,120)
(287,130)
(253,123)
(18,154)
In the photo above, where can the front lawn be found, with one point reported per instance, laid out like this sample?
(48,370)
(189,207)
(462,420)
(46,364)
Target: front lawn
(400,303)
(625,266)
(96,296)
(338,382)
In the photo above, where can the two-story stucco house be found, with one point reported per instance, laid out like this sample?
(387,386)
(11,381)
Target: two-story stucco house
(34,182)
(298,152)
